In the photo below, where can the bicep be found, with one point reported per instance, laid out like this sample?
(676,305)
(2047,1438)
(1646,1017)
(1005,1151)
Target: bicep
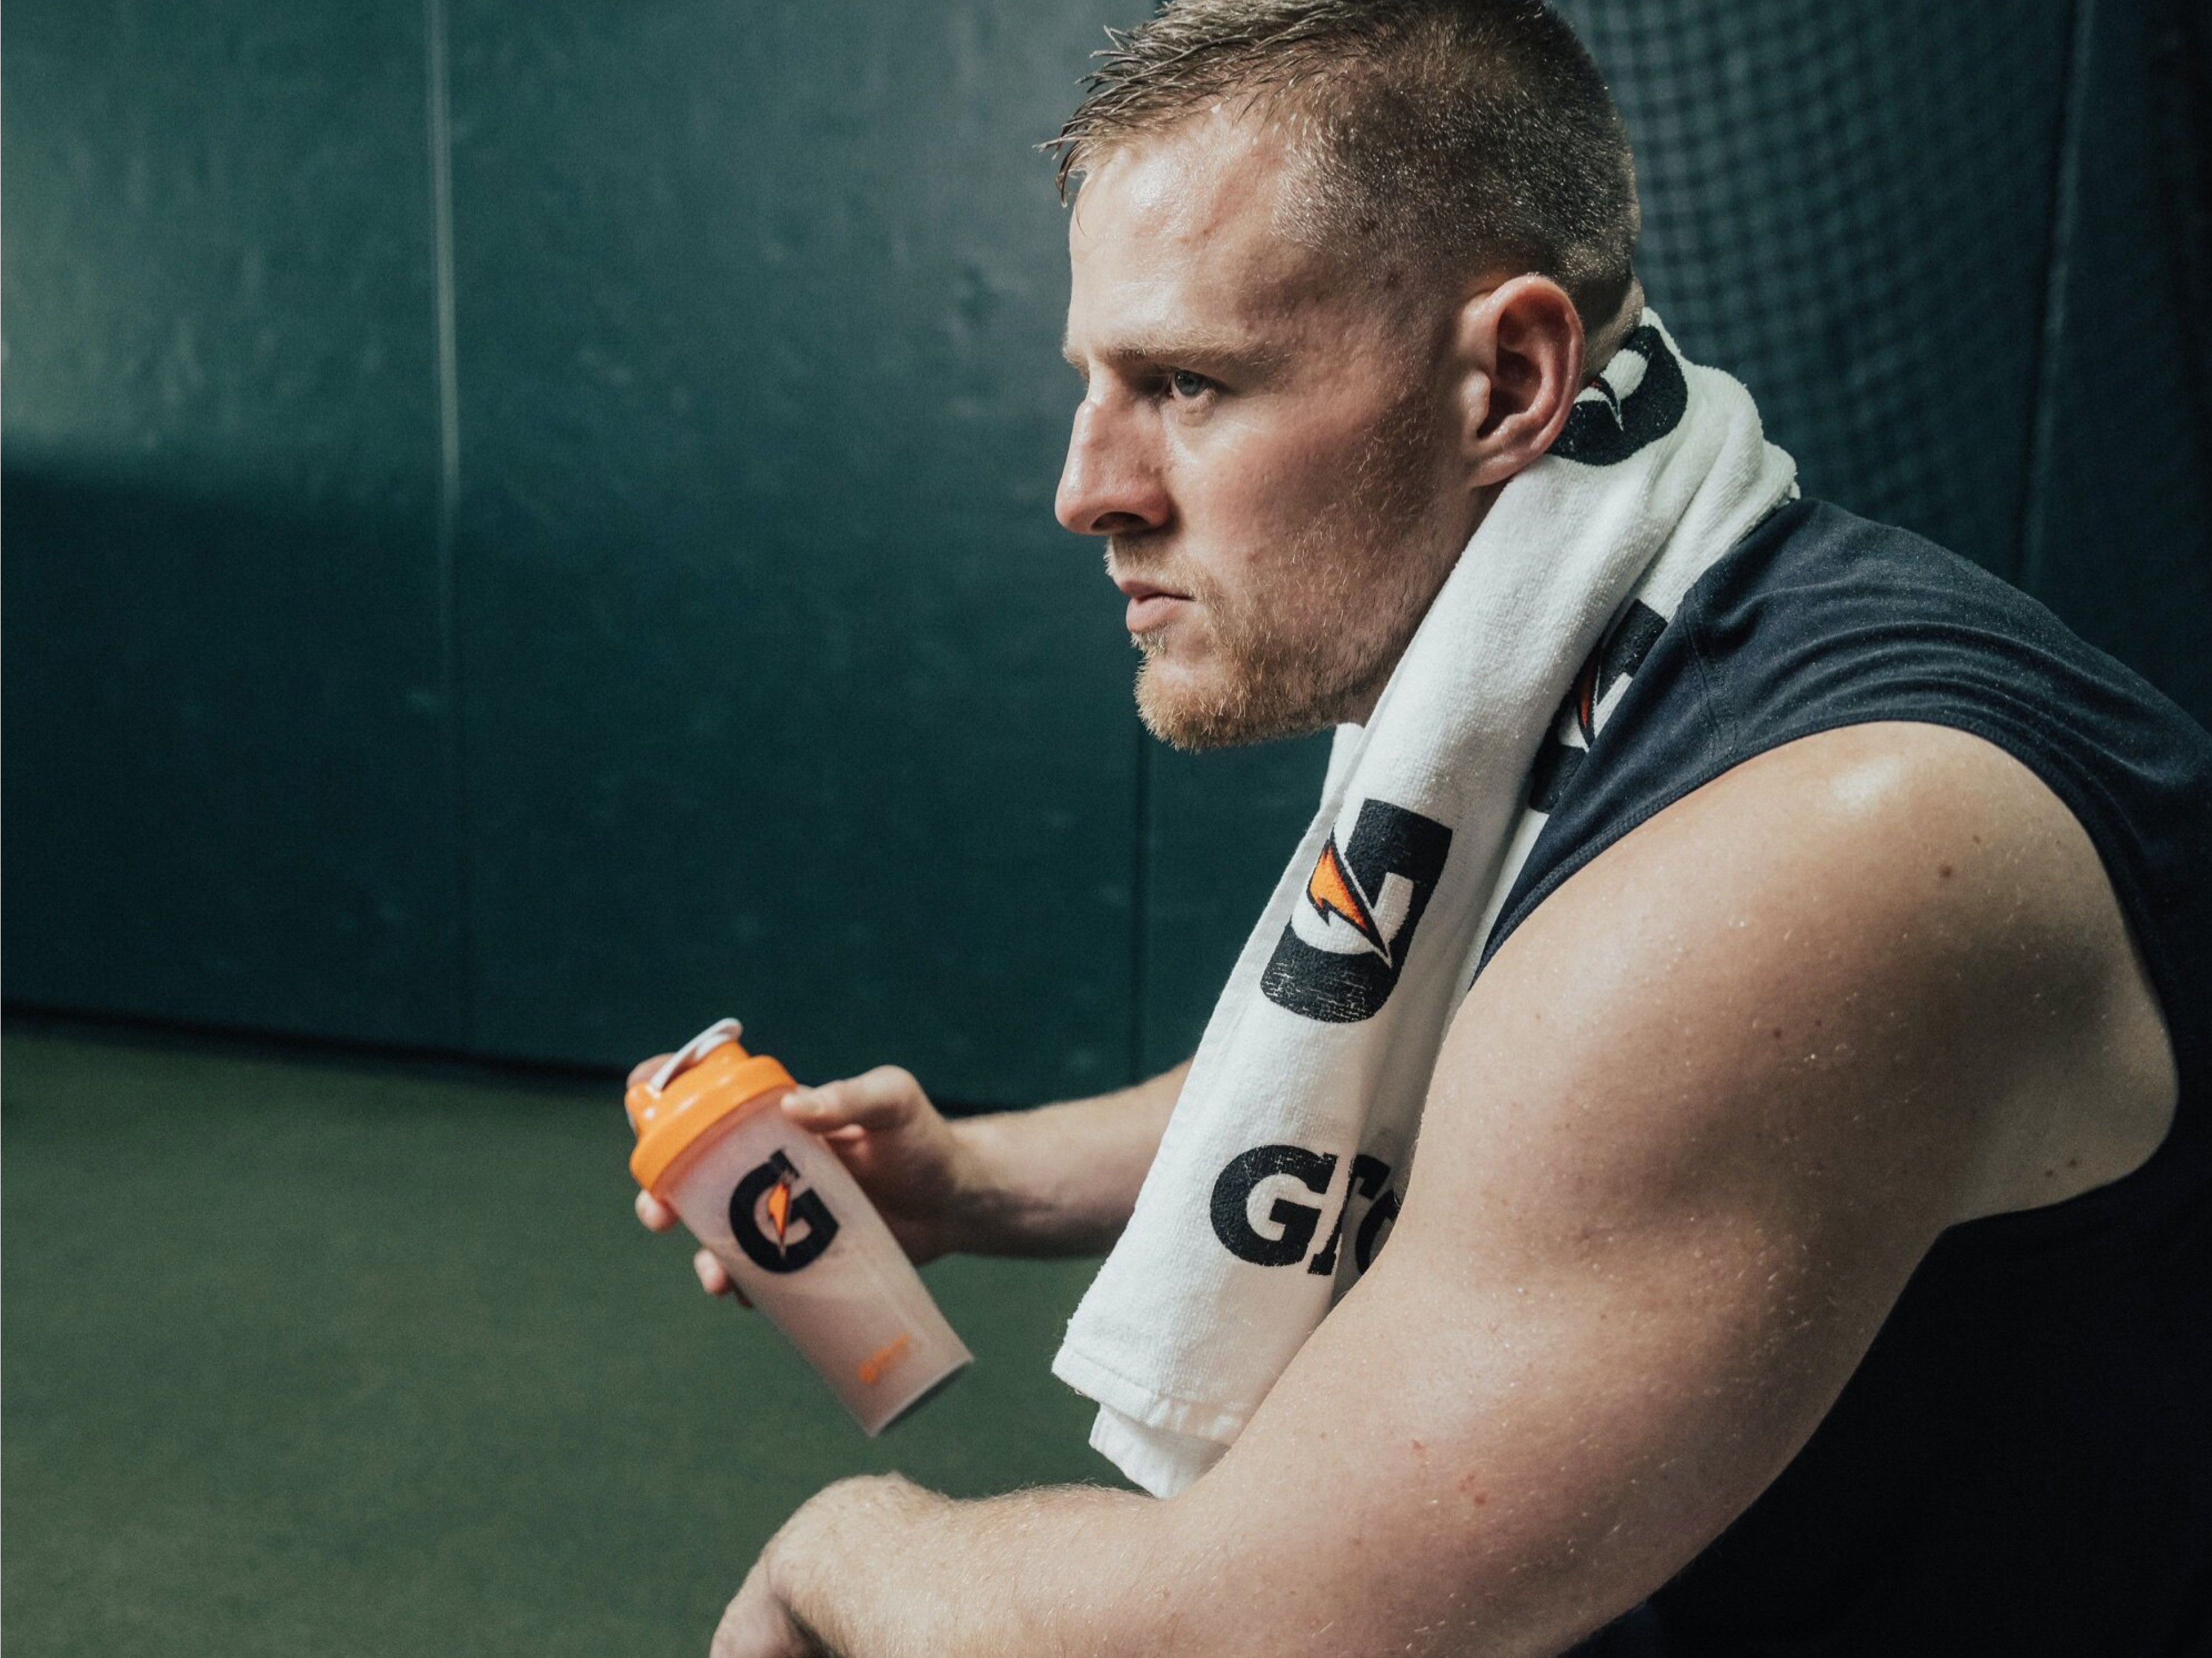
(1678,1163)
(1497,1449)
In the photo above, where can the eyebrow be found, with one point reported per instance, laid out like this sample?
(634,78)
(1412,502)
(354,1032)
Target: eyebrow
(1197,350)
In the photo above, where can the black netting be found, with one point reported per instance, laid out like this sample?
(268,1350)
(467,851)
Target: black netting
(1849,207)
(1959,253)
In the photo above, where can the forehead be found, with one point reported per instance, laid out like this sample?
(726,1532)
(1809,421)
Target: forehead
(1185,230)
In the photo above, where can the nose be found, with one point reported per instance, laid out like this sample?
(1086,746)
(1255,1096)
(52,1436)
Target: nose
(1111,485)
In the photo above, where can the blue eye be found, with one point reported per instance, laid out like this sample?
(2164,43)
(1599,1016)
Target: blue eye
(1185,383)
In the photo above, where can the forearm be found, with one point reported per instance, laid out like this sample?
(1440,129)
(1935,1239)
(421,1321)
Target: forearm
(879,1568)
(1061,1179)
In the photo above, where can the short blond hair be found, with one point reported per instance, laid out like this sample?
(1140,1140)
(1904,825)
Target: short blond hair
(1457,135)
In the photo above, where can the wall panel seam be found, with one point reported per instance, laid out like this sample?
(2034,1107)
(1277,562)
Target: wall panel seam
(438,113)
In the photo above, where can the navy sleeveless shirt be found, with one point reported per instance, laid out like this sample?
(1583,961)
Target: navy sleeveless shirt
(2023,1463)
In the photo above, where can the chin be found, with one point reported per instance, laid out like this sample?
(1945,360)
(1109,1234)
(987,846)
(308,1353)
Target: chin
(1197,712)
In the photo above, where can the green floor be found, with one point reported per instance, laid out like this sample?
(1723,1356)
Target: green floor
(302,1356)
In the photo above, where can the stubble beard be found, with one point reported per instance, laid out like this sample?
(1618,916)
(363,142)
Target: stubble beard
(1265,677)
(1367,569)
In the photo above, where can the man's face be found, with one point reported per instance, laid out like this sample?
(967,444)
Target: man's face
(1266,440)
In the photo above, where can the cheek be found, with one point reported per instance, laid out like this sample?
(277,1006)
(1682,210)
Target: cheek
(1266,469)
(1279,523)
(1243,503)
(1231,494)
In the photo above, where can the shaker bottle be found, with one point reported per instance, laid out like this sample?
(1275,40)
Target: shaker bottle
(790,1224)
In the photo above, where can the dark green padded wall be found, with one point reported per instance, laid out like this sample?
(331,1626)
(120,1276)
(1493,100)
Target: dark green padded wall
(227,716)
(715,652)
(785,695)
(718,653)
(1220,827)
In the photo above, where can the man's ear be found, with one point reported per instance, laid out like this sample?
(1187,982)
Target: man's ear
(1518,350)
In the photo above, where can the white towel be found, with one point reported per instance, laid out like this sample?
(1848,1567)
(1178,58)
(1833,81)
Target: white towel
(1281,1168)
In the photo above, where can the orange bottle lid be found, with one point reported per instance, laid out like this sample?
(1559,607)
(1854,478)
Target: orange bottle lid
(704,1083)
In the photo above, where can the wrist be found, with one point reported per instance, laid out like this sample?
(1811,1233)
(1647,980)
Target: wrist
(832,1537)
(988,1199)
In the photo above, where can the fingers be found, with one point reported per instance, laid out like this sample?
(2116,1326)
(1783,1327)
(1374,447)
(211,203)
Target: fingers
(886,1097)
(758,1625)
(714,1279)
(657,1216)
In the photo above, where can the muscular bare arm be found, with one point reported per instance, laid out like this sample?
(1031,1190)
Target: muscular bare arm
(1061,1180)
(1687,1139)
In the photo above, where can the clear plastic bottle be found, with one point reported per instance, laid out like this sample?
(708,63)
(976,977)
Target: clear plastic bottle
(790,1224)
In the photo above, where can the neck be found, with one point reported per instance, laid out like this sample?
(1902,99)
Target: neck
(1598,350)
(1359,708)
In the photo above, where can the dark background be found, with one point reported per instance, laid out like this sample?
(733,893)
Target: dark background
(527,527)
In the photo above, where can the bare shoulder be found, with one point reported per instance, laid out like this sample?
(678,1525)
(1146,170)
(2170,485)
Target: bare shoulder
(1687,1139)
(1900,916)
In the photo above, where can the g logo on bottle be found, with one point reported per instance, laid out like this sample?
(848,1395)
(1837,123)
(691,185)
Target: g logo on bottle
(768,1191)
(1341,953)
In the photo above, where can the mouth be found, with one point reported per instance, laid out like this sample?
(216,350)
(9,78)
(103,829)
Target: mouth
(1151,605)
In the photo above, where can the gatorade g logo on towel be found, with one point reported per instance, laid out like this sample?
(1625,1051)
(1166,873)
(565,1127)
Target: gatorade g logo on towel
(780,1227)
(1339,956)
(1639,399)
(1296,1182)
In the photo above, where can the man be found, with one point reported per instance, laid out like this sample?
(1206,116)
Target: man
(1855,987)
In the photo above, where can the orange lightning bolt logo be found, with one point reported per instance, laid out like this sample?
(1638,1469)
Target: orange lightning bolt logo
(1375,876)
(779,1222)
(1332,892)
